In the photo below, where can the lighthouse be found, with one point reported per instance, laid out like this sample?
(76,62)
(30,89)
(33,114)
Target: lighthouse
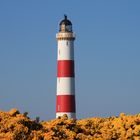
(65,100)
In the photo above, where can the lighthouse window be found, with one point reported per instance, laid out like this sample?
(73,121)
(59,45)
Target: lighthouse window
(69,28)
(58,107)
(67,43)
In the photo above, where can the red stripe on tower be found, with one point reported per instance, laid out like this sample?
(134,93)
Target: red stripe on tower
(65,68)
(65,101)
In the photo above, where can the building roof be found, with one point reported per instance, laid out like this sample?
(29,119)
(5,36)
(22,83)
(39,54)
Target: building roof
(65,21)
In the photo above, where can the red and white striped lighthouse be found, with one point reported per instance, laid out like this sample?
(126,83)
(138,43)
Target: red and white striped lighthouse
(65,102)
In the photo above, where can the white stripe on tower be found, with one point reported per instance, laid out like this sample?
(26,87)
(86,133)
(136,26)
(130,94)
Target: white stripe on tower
(65,50)
(65,102)
(65,85)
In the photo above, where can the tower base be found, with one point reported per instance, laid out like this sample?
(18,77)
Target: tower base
(69,114)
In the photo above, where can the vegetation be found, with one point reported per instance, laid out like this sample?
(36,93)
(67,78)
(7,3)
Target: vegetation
(16,126)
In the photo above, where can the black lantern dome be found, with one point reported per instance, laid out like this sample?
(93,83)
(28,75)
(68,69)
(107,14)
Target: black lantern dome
(65,25)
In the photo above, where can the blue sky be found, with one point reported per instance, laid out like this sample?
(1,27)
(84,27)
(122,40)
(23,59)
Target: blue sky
(107,56)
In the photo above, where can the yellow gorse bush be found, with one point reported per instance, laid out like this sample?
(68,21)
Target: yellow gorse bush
(16,126)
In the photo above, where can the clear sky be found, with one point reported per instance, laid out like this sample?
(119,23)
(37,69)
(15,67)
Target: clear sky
(107,55)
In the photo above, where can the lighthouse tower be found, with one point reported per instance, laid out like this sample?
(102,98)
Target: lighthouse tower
(65,101)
